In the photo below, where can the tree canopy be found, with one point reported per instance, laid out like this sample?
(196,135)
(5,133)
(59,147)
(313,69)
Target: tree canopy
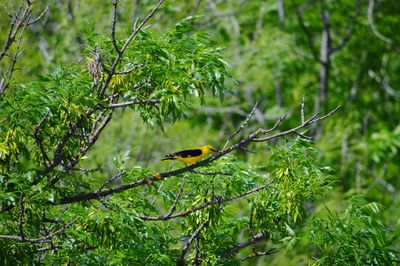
(299,98)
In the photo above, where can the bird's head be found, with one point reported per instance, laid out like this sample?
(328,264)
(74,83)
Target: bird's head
(210,148)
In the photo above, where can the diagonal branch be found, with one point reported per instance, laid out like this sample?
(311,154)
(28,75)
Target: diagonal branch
(195,234)
(242,126)
(178,195)
(245,244)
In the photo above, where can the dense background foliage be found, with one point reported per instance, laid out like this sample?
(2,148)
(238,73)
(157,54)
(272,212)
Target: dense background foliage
(87,110)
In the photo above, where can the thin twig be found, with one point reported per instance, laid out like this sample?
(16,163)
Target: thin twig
(38,17)
(189,242)
(242,126)
(302,111)
(308,122)
(372,25)
(114,21)
(178,195)
(158,191)
(111,179)
(21,216)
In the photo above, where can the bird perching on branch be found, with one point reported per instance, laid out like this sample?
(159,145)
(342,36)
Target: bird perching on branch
(191,156)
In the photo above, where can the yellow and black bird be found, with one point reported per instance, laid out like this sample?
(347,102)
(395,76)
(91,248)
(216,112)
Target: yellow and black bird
(191,156)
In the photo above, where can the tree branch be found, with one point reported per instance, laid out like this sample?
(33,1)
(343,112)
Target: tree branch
(372,25)
(245,244)
(242,126)
(195,234)
(114,21)
(21,216)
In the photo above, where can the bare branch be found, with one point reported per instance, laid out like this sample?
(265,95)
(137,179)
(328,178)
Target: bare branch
(372,25)
(38,17)
(242,126)
(18,22)
(158,191)
(308,122)
(114,21)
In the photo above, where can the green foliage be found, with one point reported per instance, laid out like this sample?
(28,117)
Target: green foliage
(357,237)
(167,68)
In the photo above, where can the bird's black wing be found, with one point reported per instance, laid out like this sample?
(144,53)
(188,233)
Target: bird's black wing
(185,153)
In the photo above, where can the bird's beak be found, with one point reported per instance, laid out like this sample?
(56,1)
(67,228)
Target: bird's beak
(213,150)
